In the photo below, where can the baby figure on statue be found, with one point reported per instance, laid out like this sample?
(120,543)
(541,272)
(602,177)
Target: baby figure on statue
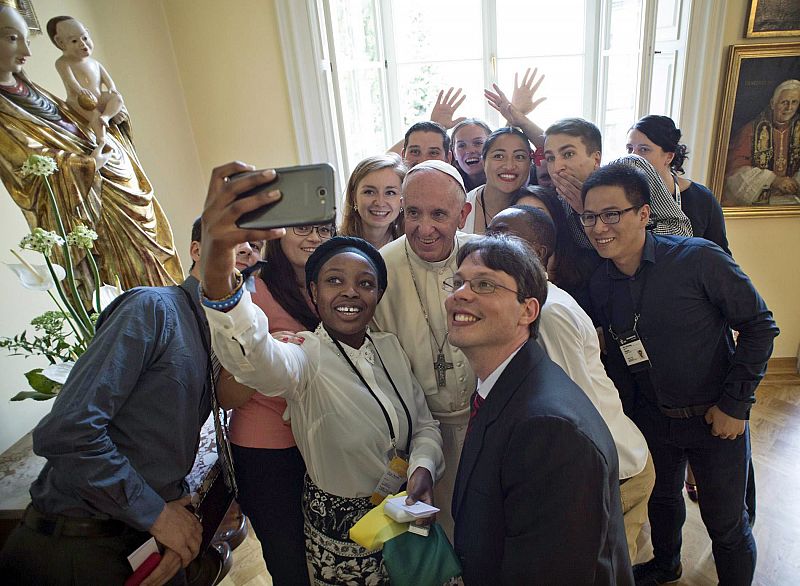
(84,77)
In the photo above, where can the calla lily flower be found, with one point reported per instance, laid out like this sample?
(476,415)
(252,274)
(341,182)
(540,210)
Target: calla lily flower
(37,277)
(58,373)
(107,294)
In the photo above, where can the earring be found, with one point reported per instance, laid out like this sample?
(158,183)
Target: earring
(355,207)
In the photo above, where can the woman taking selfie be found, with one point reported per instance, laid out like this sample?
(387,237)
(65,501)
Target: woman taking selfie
(269,467)
(354,404)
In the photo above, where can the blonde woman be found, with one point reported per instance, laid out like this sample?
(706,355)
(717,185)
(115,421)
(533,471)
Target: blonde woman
(372,207)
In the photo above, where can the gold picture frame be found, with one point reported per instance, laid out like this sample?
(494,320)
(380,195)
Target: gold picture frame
(773,18)
(745,132)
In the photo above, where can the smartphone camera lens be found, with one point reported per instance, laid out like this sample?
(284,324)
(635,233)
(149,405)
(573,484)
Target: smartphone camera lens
(322,192)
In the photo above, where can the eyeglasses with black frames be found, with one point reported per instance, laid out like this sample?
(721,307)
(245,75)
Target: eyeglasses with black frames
(610,217)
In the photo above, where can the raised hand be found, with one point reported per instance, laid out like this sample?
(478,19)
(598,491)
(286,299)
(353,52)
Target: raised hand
(522,98)
(446,106)
(221,235)
(569,187)
(498,100)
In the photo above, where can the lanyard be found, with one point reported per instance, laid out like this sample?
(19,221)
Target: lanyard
(374,396)
(483,209)
(637,302)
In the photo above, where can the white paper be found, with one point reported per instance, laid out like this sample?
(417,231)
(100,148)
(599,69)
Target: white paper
(138,557)
(418,510)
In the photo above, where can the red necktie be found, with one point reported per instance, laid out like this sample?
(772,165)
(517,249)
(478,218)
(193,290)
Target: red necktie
(477,401)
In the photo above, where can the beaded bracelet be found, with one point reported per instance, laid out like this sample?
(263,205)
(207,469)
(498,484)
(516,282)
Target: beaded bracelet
(229,300)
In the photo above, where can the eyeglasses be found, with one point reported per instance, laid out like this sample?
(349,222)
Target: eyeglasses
(588,220)
(479,286)
(324,232)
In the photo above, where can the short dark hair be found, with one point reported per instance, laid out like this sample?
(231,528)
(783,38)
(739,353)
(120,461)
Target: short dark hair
(428,126)
(505,130)
(663,132)
(514,257)
(541,225)
(197,233)
(572,266)
(52,27)
(632,181)
(580,128)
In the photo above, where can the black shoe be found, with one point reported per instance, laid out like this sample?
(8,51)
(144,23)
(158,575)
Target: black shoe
(649,574)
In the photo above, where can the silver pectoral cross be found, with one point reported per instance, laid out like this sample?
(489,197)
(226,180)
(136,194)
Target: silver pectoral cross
(441,366)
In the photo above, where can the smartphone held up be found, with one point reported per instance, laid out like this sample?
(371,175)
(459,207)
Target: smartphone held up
(307,197)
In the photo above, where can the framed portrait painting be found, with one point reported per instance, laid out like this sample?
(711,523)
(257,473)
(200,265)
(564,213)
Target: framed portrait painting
(773,18)
(756,167)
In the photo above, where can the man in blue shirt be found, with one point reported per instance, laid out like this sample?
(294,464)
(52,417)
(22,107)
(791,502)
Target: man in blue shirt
(667,305)
(119,442)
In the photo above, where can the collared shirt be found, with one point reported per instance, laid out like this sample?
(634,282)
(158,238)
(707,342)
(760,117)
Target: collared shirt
(339,426)
(568,336)
(485,386)
(400,313)
(123,431)
(689,294)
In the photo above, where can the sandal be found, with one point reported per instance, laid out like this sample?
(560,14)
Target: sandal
(691,490)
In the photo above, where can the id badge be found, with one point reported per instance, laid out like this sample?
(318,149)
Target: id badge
(392,480)
(633,351)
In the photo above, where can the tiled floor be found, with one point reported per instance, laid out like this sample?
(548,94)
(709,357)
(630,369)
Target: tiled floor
(775,432)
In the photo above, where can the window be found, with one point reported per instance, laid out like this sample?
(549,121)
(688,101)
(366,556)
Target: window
(378,65)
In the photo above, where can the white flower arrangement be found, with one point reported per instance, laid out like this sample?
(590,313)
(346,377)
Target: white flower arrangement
(60,347)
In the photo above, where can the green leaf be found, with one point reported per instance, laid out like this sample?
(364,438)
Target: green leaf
(41,383)
(35,395)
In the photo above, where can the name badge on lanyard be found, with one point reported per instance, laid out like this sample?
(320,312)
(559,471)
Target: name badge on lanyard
(633,351)
(393,478)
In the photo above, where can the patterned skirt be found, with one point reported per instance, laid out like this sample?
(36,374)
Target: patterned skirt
(333,557)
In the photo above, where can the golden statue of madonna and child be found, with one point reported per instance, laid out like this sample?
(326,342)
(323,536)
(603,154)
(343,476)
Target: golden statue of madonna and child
(100,182)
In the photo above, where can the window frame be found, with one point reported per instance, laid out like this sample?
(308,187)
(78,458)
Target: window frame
(314,93)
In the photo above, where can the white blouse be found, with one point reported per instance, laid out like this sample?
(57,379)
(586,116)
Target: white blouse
(339,427)
(472,199)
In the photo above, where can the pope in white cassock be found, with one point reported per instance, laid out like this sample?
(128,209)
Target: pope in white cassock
(434,200)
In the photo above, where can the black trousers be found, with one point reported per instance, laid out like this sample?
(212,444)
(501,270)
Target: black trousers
(32,558)
(721,469)
(270,493)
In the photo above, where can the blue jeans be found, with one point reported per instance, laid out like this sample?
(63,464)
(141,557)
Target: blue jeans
(721,470)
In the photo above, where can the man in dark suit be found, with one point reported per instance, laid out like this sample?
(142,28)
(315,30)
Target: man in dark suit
(536,498)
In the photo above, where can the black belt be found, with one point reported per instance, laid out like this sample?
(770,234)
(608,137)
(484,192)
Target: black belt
(64,526)
(686,412)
